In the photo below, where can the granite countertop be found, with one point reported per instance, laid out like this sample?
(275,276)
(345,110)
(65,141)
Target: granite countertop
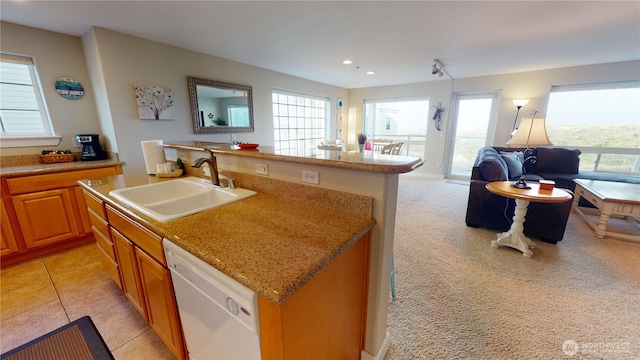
(352,160)
(16,169)
(262,242)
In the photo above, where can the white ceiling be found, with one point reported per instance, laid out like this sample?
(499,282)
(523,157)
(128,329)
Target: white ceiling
(397,39)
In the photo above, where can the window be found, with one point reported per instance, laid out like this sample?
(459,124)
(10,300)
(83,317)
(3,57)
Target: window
(24,120)
(400,120)
(238,115)
(299,123)
(602,120)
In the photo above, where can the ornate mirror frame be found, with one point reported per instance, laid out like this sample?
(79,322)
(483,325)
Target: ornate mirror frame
(197,115)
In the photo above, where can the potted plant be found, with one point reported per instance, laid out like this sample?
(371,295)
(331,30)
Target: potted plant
(362,138)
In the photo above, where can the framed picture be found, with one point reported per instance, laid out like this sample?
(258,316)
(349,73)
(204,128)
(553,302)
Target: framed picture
(154,102)
(340,103)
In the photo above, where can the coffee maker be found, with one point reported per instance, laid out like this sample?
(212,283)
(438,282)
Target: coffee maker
(90,145)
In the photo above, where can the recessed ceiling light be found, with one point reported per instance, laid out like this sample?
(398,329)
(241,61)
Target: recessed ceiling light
(347,62)
(371,72)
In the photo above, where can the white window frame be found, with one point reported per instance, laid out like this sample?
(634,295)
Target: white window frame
(306,145)
(45,138)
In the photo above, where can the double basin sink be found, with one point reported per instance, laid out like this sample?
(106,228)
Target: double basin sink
(172,199)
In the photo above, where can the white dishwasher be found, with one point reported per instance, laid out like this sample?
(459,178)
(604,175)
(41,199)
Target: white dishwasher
(219,315)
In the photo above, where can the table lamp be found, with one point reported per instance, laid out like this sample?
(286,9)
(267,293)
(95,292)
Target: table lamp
(531,132)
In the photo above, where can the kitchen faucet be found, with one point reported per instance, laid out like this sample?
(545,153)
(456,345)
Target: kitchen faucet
(213,167)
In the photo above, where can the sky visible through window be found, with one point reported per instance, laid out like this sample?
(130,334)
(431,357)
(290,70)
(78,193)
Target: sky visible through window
(594,107)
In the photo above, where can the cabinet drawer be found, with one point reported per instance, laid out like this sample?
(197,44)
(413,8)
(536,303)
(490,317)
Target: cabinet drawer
(110,266)
(143,238)
(105,243)
(98,223)
(53,181)
(95,204)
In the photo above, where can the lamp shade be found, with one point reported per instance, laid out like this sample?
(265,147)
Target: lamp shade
(531,132)
(520,102)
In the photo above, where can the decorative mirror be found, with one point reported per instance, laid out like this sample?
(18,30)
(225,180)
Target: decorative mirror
(220,107)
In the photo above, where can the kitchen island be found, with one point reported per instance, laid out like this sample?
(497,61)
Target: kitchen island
(310,272)
(368,173)
(262,241)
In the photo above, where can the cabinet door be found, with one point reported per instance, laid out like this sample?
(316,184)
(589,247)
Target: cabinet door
(46,217)
(7,238)
(125,251)
(160,302)
(81,208)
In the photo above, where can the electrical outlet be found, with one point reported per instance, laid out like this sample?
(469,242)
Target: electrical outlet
(182,156)
(312,177)
(262,169)
(75,142)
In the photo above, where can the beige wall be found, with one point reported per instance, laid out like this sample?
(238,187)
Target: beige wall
(123,60)
(55,55)
(534,85)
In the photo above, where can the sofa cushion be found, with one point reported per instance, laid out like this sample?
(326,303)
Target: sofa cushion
(514,161)
(493,168)
(557,160)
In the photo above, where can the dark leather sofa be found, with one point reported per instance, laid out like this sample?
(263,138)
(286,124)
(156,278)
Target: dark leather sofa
(544,221)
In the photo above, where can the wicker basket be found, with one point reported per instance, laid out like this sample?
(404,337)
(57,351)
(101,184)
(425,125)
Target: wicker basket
(174,173)
(57,158)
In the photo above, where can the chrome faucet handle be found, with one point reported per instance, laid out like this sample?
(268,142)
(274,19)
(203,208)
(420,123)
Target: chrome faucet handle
(231,183)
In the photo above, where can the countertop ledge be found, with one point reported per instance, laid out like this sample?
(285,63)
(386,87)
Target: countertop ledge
(267,246)
(351,160)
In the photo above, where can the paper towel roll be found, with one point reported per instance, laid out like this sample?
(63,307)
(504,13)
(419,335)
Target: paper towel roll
(153,154)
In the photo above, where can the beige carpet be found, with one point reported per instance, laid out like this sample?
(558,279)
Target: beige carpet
(459,298)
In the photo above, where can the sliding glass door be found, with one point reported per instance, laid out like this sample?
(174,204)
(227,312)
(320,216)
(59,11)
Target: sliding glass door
(399,120)
(474,115)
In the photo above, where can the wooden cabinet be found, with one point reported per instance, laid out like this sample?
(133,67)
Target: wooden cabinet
(46,213)
(132,287)
(47,217)
(7,238)
(160,302)
(146,281)
(325,319)
(98,219)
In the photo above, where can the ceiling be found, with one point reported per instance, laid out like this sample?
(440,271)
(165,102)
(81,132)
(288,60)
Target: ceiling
(397,39)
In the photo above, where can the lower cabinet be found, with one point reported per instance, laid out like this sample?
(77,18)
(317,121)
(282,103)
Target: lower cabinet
(159,299)
(47,217)
(131,285)
(8,244)
(325,319)
(134,258)
(45,213)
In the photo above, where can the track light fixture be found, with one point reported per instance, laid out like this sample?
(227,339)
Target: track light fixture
(437,68)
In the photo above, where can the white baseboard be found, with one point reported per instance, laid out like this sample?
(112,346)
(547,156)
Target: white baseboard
(382,351)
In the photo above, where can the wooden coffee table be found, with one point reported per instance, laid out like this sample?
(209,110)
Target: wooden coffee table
(611,198)
(515,237)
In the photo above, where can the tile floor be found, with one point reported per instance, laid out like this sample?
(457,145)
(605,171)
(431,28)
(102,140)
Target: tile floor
(40,295)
